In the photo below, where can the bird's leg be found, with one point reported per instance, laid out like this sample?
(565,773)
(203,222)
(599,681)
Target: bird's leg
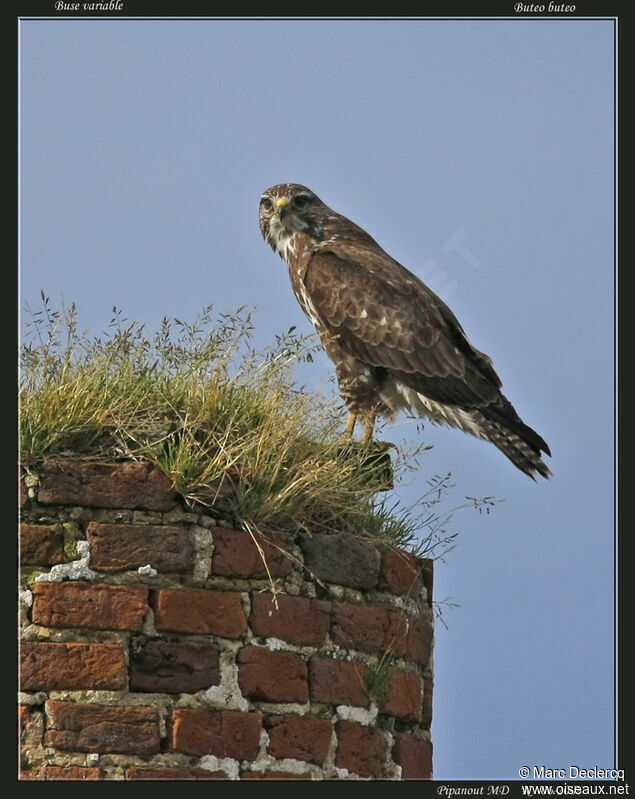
(369,426)
(350,426)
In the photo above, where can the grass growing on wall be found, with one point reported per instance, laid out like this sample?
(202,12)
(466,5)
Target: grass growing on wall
(226,423)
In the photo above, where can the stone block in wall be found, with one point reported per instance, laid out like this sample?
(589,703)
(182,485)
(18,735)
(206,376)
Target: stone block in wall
(102,729)
(115,547)
(236,554)
(65,773)
(299,737)
(405,696)
(341,558)
(41,544)
(131,484)
(426,712)
(360,749)
(155,773)
(172,667)
(198,610)
(400,572)
(269,676)
(93,605)
(298,620)
(48,666)
(419,641)
(338,682)
(371,629)
(271,775)
(224,733)
(414,757)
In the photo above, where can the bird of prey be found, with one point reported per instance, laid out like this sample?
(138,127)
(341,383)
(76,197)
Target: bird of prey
(394,342)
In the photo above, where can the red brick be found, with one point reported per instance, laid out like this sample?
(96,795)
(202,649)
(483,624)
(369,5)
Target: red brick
(426,713)
(41,544)
(71,666)
(297,619)
(102,729)
(114,547)
(272,676)
(24,715)
(172,773)
(29,774)
(299,737)
(414,757)
(172,667)
(236,554)
(93,605)
(404,696)
(339,682)
(419,642)
(223,733)
(105,485)
(271,775)
(199,611)
(360,749)
(369,628)
(71,773)
(400,572)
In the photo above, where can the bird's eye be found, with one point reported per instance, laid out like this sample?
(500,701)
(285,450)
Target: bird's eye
(266,204)
(301,201)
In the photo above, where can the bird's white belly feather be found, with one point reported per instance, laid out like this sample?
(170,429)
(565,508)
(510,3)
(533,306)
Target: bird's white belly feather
(397,395)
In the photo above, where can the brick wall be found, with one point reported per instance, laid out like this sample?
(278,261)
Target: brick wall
(152,646)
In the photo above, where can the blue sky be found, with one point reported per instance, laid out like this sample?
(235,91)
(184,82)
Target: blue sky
(479,154)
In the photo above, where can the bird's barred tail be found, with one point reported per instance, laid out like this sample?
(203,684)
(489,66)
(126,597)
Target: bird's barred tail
(522,445)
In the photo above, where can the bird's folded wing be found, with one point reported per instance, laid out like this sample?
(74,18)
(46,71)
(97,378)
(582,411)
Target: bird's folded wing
(386,317)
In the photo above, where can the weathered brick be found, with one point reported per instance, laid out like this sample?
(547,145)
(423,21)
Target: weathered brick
(71,666)
(197,610)
(93,605)
(342,559)
(114,547)
(338,682)
(299,737)
(419,642)
(414,757)
(272,676)
(225,733)
(172,667)
(297,619)
(172,773)
(236,554)
(105,485)
(360,749)
(102,729)
(271,775)
(426,712)
(404,698)
(29,774)
(369,628)
(41,544)
(400,572)
(70,773)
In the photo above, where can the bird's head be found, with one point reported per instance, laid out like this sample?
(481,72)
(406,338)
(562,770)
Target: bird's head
(287,209)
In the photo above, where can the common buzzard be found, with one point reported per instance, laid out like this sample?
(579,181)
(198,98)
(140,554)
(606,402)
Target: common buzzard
(395,344)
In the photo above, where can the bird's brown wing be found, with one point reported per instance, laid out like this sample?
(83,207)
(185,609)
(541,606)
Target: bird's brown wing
(386,317)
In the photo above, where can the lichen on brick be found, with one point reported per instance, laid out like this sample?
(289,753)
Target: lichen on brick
(72,537)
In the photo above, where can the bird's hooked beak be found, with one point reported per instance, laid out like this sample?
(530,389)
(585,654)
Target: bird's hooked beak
(281,206)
